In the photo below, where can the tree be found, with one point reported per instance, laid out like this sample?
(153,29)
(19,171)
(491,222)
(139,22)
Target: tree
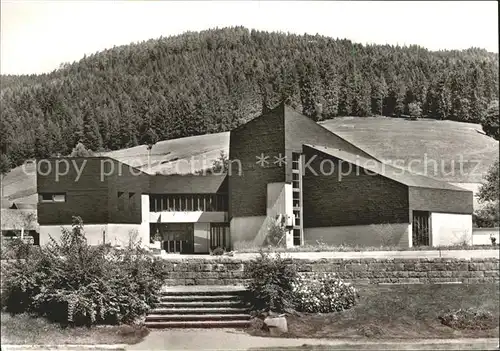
(489,189)
(214,80)
(221,165)
(4,164)
(490,122)
(91,134)
(415,110)
(488,215)
(81,151)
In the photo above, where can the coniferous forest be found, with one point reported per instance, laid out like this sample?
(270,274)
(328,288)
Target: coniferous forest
(212,81)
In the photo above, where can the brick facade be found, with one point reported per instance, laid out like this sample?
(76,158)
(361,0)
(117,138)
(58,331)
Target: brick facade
(356,198)
(248,191)
(92,195)
(441,200)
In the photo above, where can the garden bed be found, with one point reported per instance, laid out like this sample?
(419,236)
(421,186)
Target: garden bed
(400,312)
(23,329)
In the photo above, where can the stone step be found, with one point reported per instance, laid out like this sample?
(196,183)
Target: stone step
(185,298)
(198,310)
(196,317)
(204,291)
(195,304)
(198,324)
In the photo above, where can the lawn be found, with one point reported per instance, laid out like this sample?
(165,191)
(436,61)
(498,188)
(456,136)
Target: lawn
(24,329)
(482,345)
(399,141)
(401,312)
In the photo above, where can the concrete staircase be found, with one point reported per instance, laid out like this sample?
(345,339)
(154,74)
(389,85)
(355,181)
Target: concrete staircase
(200,307)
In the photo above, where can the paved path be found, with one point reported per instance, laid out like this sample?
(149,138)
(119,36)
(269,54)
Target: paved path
(231,339)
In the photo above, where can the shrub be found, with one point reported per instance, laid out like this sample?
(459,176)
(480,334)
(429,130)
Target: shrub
(71,282)
(270,282)
(323,293)
(275,234)
(16,249)
(468,319)
(218,251)
(488,216)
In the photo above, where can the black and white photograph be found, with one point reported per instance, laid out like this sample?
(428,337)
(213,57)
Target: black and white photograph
(249,175)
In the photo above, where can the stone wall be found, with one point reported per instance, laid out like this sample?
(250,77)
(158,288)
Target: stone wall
(358,271)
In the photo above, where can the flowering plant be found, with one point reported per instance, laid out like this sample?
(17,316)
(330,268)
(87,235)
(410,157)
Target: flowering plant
(323,293)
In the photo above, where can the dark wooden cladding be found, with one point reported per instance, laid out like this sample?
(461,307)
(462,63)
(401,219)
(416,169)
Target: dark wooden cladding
(91,190)
(353,199)
(262,135)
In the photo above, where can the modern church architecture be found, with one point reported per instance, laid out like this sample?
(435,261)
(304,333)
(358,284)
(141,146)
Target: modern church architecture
(282,166)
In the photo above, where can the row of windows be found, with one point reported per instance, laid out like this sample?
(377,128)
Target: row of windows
(193,202)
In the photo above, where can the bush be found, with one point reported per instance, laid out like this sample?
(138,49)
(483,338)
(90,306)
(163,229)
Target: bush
(270,282)
(487,216)
(71,282)
(218,251)
(275,234)
(15,249)
(468,319)
(323,293)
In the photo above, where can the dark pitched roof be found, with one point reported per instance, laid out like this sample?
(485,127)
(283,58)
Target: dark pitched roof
(137,170)
(399,175)
(188,184)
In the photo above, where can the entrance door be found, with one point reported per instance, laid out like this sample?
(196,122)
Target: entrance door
(421,228)
(177,237)
(219,235)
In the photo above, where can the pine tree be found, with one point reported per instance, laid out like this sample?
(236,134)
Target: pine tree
(91,135)
(491,121)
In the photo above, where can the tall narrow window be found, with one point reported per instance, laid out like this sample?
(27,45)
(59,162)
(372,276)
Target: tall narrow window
(121,201)
(296,237)
(131,201)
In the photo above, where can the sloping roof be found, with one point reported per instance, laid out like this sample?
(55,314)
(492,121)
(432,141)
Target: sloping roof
(187,184)
(16,219)
(399,175)
(300,129)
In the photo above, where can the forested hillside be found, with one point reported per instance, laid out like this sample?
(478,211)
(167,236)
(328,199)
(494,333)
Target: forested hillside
(212,81)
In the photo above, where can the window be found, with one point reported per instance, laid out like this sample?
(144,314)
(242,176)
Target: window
(131,201)
(52,197)
(295,160)
(296,237)
(297,217)
(421,228)
(189,202)
(219,235)
(121,201)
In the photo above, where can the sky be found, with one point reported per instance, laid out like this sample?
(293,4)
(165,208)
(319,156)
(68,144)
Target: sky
(37,36)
